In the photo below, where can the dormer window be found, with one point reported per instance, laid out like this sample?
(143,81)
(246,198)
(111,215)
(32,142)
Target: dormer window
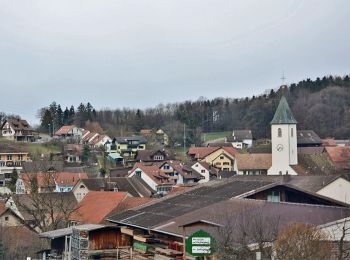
(279,132)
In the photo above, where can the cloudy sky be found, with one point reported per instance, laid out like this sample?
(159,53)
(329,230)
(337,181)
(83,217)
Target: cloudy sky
(139,53)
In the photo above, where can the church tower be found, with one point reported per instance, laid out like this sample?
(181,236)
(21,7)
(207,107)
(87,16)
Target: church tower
(284,141)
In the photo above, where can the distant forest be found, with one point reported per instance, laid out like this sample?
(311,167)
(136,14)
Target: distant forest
(322,105)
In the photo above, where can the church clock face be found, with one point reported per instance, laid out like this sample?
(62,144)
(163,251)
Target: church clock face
(280,147)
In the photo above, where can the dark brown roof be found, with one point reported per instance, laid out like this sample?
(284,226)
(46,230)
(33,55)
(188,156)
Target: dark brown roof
(26,202)
(147,155)
(42,166)
(126,139)
(202,152)
(213,144)
(240,135)
(310,150)
(120,172)
(308,137)
(181,203)
(13,147)
(312,183)
(123,184)
(20,242)
(18,124)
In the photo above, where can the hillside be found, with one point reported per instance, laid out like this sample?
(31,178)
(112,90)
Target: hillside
(322,105)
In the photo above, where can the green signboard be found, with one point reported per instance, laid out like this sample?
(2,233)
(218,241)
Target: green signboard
(141,246)
(200,243)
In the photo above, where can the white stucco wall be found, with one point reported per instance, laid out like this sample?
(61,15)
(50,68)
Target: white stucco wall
(199,168)
(145,178)
(288,155)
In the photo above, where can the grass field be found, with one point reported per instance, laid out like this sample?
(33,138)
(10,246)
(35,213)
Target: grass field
(34,149)
(214,135)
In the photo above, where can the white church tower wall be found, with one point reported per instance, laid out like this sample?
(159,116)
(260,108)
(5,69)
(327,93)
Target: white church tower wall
(284,141)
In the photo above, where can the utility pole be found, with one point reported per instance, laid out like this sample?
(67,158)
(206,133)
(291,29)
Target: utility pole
(184,138)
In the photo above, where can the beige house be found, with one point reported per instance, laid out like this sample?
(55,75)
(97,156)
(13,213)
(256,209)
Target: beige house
(221,158)
(7,217)
(11,159)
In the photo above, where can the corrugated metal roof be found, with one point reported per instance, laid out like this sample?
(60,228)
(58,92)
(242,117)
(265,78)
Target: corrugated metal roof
(67,231)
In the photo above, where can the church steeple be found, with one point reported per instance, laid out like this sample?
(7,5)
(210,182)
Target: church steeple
(283,114)
(284,141)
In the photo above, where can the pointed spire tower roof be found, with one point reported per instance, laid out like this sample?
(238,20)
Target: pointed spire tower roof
(283,114)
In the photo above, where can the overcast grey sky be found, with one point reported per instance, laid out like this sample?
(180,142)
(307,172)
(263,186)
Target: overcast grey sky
(139,53)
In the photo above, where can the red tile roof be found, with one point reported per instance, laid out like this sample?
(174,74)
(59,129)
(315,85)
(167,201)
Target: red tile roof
(97,205)
(201,152)
(152,170)
(231,150)
(64,129)
(69,178)
(46,179)
(340,156)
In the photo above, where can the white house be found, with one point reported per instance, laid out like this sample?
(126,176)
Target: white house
(201,168)
(337,230)
(284,141)
(69,131)
(241,139)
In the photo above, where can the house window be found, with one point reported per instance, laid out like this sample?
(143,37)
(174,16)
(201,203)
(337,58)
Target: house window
(273,196)
(202,171)
(6,218)
(222,157)
(9,157)
(226,163)
(20,157)
(138,173)
(166,167)
(158,158)
(291,132)
(279,132)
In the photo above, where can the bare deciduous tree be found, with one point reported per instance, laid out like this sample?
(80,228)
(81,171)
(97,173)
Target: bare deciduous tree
(43,208)
(302,241)
(245,230)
